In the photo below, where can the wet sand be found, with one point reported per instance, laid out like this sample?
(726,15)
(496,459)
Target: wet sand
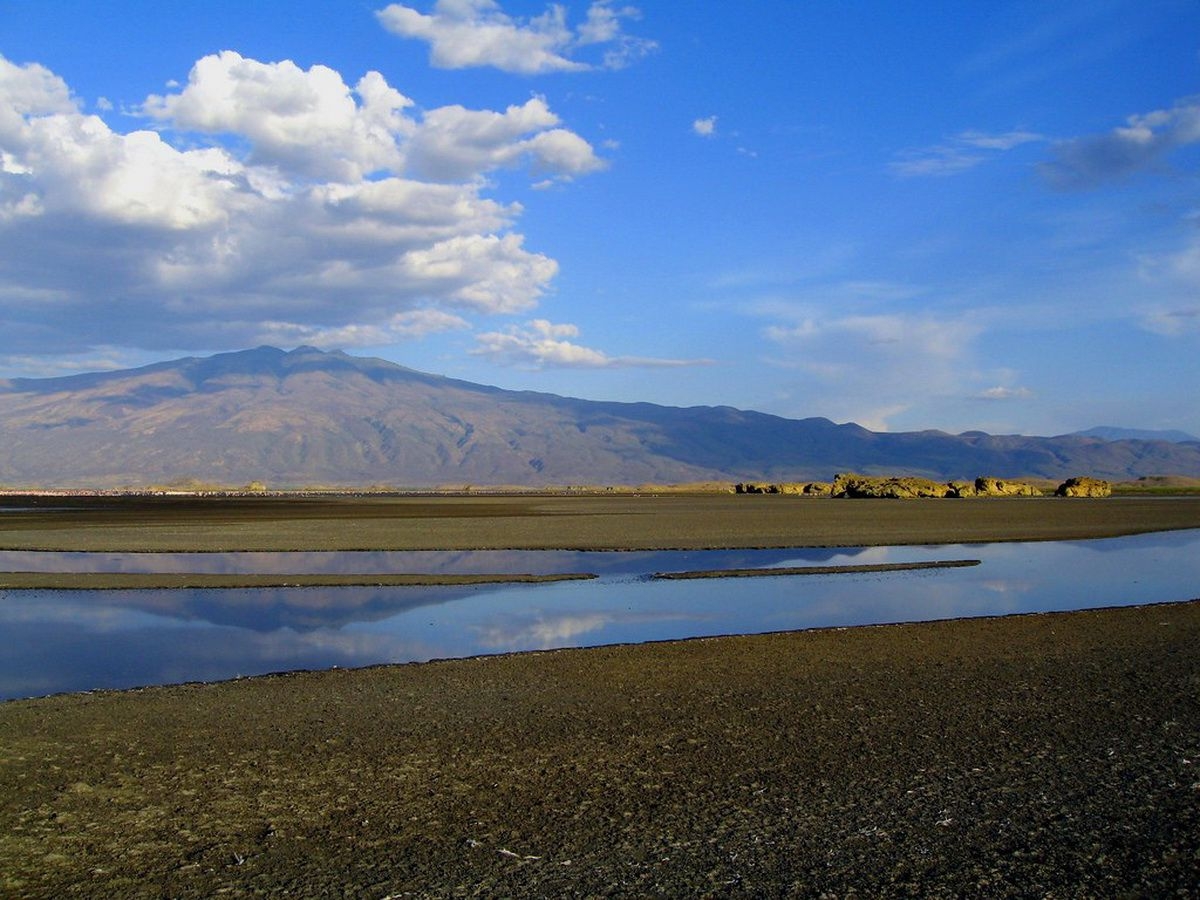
(1046,755)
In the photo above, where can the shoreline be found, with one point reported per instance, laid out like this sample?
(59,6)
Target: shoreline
(942,758)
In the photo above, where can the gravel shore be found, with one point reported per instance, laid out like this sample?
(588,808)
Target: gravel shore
(1030,756)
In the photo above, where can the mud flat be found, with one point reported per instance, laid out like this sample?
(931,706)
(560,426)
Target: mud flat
(809,570)
(1043,755)
(531,522)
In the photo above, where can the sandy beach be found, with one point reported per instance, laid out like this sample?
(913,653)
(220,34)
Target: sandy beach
(1040,755)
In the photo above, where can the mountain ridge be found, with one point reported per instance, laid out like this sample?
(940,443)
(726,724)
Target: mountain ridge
(306,417)
(1114,433)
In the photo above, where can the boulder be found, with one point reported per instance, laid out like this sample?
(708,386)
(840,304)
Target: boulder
(961,489)
(995,487)
(806,488)
(901,488)
(1083,486)
(749,487)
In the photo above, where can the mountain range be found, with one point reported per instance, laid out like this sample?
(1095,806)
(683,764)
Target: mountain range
(308,417)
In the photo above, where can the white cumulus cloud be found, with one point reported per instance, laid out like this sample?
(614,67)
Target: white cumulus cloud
(305,121)
(266,200)
(455,143)
(470,33)
(705,127)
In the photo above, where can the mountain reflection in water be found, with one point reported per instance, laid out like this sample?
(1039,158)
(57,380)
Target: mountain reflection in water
(82,640)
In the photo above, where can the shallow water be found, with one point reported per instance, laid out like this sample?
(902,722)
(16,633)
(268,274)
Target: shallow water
(82,640)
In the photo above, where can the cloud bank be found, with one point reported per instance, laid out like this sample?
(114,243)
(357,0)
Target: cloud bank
(472,33)
(262,200)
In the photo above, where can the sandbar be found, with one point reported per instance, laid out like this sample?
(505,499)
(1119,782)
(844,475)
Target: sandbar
(132,581)
(813,570)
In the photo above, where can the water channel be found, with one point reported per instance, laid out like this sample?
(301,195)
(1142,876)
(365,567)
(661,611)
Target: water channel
(55,641)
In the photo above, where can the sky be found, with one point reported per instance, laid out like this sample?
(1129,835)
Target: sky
(945,215)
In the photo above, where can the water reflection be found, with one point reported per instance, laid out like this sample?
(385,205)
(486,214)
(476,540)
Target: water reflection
(74,640)
(426,562)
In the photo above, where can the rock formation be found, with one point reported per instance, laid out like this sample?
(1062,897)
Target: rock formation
(1084,487)
(806,488)
(903,488)
(996,487)
(910,487)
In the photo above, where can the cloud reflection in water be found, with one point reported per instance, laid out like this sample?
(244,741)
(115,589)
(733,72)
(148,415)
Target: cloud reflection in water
(76,640)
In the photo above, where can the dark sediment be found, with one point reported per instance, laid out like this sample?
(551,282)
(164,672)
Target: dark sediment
(1048,755)
(817,570)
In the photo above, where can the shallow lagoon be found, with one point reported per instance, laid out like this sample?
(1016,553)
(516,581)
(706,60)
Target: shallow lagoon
(83,640)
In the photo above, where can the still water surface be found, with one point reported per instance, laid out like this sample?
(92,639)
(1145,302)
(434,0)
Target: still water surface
(53,641)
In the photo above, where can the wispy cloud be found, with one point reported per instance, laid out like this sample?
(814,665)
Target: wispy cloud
(51,367)
(873,368)
(408,325)
(1173,322)
(472,33)
(543,344)
(962,152)
(1001,392)
(1140,143)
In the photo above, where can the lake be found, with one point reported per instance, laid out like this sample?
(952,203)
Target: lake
(84,640)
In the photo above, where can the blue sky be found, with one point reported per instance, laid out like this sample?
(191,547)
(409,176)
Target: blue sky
(939,215)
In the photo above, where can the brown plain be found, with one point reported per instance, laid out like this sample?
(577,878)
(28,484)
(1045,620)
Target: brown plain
(583,522)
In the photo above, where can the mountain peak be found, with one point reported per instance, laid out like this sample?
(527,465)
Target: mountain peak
(308,416)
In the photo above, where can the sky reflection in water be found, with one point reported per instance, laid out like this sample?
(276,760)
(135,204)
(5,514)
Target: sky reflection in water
(78,640)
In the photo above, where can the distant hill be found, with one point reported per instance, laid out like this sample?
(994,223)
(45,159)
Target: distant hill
(1109,433)
(307,417)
